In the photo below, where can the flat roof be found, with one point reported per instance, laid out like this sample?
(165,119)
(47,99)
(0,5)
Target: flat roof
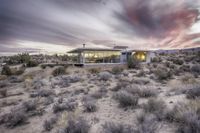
(135,51)
(78,50)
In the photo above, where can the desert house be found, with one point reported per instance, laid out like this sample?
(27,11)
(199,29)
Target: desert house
(116,55)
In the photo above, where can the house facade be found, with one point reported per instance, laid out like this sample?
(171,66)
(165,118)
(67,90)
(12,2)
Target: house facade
(85,56)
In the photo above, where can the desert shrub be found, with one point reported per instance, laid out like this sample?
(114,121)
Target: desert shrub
(195,69)
(43,66)
(126,99)
(99,94)
(105,76)
(156,60)
(48,124)
(186,115)
(20,71)
(191,123)
(167,64)
(117,70)
(162,73)
(42,93)
(58,71)
(20,58)
(110,127)
(172,66)
(16,117)
(154,105)
(79,125)
(29,105)
(142,91)
(185,68)
(38,84)
(48,100)
(3,77)
(188,79)
(94,70)
(3,92)
(60,100)
(120,85)
(32,63)
(15,79)
(141,73)
(45,93)
(133,63)
(147,92)
(178,61)
(146,123)
(193,92)
(3,84)
(141,81)
(6,70)
(90,106)
(73,79)
(68,106)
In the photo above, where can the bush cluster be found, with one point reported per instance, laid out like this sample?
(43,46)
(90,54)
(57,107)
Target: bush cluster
(126,99)
(59,71)
(133,63)
(94,70)
(68,106)
(117,70)
(110,127)
(162,73)
(6,70)
(186,115)
(78,125)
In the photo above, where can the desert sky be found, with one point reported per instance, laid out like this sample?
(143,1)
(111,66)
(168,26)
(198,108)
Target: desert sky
(56,26)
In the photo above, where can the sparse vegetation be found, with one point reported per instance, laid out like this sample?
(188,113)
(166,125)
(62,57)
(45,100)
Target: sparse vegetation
(154,106)
(110,127)
(68,106)
(178,61)
(3,92)
(193,92)
(32,63)
(94,70)
(90,106)
(104,76)
(16,117)
(6,70)
(146,123)
(117,70)
(156,59)
(126,99)
(78,125)
(160,96)
(48,124)
(59,71)
(186,115)
(133,63)
(162,73)
(142,91)
(29,105)
(195,69)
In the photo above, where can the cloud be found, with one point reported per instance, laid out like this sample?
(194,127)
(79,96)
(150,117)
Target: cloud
(102,23)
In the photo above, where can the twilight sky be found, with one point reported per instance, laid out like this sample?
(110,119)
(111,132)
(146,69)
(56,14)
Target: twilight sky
(60,25)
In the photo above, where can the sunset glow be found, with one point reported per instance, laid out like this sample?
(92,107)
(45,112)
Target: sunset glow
(56,26)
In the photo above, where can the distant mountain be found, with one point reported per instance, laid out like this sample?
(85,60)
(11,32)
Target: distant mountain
(178,50)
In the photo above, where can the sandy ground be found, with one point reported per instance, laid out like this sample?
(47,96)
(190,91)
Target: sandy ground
(108,109)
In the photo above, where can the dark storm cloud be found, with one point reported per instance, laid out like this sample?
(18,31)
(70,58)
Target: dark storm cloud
(155,18)
(100,22)
(25,21)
